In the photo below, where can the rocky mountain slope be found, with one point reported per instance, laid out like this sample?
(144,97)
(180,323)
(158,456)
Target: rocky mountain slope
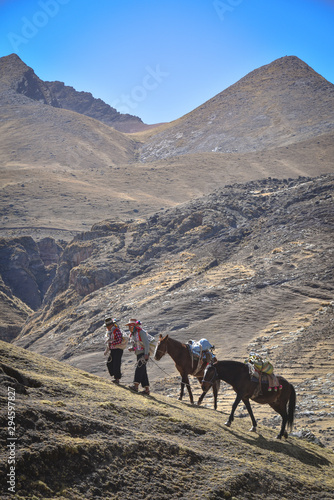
(274,229)
(278,104)
(23,80)
(62,158)
(249,268)
(78,436)
(235,246)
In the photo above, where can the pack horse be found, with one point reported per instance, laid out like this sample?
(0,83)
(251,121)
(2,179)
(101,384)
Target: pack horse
(237,374)
(184,363)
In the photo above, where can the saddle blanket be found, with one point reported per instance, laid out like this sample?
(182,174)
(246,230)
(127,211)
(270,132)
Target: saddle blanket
(269,379)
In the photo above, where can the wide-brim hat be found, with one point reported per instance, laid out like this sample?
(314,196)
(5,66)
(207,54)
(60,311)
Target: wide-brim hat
(131,322)
(108,320)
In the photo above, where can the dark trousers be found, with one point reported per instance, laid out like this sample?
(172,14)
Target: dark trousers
(114,363)
(141,371)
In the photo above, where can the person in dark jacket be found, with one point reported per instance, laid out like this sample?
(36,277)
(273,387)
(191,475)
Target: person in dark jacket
(113,339)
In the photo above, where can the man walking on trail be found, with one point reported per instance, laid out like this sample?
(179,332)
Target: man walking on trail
(140,345)
(113,341)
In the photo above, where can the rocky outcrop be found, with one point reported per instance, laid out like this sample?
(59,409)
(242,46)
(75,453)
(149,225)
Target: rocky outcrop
(13,313)
(84,266)
(49,251)
(33,87)
(27,269)
(22,269)
(83,102)
(261,216)
(19,77)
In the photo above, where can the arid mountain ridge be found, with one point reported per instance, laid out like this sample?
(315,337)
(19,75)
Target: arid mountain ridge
(219,224)
(47,150)
(278,104)
(23,80)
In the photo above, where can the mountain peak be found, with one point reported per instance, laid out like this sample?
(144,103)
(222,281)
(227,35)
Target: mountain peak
(12,58)
(279,103)
(289,64)
(11,69)
(16,76)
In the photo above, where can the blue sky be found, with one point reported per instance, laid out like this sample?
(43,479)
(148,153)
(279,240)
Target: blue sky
(160,59)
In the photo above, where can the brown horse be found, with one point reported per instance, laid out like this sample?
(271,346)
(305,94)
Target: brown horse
(183,361)
(237,375)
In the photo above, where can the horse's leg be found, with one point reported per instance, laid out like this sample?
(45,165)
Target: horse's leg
(285,406)
(200,399)
(182,390)
(215,389)
(283,431)
(234,407)
(280,408)
(250,412)
(185,382)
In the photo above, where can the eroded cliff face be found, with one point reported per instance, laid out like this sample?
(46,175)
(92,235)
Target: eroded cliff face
(51,275)
(84,103)
(211,256)
(27,269)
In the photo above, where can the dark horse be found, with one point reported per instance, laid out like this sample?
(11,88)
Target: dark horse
(183,361)
(237,375)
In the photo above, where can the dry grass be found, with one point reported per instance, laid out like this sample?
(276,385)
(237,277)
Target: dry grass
(81,437)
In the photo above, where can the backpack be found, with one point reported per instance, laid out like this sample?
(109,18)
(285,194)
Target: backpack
(125,340)
(151,341)
(152,344)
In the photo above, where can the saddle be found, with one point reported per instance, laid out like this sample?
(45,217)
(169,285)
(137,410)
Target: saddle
(262,372)
(201,352)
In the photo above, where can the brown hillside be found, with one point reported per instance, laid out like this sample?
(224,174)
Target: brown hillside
(249,267)
(80,437)
(133,190)
(235,246)
(53,159)
(15,74)
(278,104)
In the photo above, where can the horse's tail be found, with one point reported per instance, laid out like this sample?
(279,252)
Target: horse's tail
(291,407)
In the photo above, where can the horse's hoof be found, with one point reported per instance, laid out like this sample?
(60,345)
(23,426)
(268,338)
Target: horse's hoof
(228,424)
(285,435)
(252,429)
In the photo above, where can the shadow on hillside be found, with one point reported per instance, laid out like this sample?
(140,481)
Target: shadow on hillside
(285,447)
(153,398)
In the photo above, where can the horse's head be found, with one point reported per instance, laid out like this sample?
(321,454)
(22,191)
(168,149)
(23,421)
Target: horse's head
(161,347)
(209,377)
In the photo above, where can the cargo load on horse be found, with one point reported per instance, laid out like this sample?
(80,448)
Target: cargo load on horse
(262,371)
(237,375)
(201,353)
(185,363)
